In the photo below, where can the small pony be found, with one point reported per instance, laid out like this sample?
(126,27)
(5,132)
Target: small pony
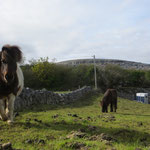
(11,80)
(110,97)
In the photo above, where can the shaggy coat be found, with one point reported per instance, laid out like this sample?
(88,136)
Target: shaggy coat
(11,80)
(110,97)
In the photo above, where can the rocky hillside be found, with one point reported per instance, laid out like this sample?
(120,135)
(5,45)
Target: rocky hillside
(104,62)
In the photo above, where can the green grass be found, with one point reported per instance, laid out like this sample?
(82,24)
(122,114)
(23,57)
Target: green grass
(62,92)
(47,127)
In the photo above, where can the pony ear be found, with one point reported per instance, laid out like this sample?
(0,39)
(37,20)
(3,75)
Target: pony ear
(17,54)
(5,47)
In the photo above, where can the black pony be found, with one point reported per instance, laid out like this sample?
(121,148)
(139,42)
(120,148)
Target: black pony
(110,97)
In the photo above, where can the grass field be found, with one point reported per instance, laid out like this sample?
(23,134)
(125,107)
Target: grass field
(80,125)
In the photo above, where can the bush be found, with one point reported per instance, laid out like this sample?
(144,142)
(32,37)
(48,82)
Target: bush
(43,74)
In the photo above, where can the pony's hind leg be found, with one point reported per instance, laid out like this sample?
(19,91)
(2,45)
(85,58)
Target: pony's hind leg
(2,110)
(10,108)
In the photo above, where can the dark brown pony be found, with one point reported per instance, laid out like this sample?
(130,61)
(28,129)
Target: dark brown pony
(11,80)
(110,97)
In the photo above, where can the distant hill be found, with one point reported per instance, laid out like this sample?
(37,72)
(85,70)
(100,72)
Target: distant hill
(103,62)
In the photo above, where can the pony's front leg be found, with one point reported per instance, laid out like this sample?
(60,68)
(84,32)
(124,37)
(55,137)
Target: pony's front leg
(111,107)
(10,108)
(2,110)
(106,109)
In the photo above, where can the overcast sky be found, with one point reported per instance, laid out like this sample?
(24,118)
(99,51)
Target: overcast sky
(71,29)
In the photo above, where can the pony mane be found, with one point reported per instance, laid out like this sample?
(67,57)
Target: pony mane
(14,51)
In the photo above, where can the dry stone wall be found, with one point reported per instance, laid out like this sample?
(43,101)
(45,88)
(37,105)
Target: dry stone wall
(30,97)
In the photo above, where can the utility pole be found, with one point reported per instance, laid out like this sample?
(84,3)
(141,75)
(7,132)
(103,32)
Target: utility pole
(95,76)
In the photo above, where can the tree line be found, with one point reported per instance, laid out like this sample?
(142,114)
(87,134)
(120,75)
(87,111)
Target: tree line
(41,73)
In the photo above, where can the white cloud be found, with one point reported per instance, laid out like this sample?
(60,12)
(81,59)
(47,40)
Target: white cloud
(65,29)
